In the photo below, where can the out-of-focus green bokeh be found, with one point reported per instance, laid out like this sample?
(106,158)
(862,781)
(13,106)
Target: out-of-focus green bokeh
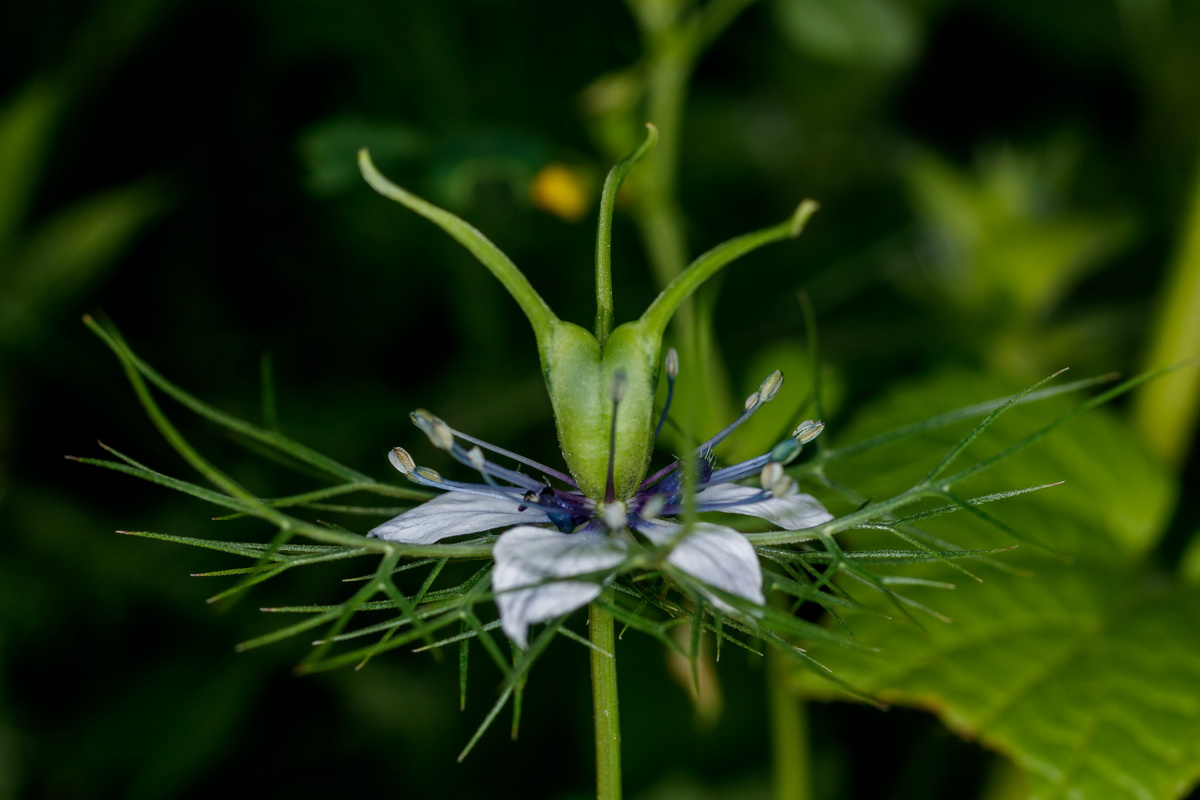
(1005,189)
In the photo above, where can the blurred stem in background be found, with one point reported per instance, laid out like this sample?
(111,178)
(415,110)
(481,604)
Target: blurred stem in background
(791,768)
(675,35)
(1164,411)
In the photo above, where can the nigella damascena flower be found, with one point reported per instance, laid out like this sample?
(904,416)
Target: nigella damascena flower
(561,546)
(567,534)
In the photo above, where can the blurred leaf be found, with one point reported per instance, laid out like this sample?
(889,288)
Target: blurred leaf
(1189,566)
(1116,498)
(161,729)
(66,255)
(1001,247)
(25,125)
(1166,411)
(330,148)
(853,33)
(1083,673)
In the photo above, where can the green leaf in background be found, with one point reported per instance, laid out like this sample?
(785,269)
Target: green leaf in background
(61,259)
(1001,245)
(851,33)
(329,150)
(1083,673)
(1085,676)
(25,127)
(1115,500)
(1004,233)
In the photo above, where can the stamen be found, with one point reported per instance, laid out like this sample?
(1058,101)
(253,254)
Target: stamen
(786,487)
(653,507)
(766,392)
(433,479)
(785,452)
(402,461)
(442,436)
(777,482)
(428,474)
(672,369)
(771,474)
(438,432)
(530,497)
(614,515)
(770,386)
(520,459)
(618,386)
(808,430)
(474,456)
(617,392)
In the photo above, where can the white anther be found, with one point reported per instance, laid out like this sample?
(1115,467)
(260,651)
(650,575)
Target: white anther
(653,507)
(771,474)
(777,482)
(770,386)
(751,402)
(402,461)
(785,487)
(615,516)
(438,432)
(808,430)
(672,363)
(475,456)
(429,474)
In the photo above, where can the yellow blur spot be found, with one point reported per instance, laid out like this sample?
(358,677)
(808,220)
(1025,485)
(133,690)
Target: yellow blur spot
(562,191)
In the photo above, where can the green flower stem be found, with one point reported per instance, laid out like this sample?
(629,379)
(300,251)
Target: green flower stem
(612,185)
(676,34)
(501,266)
(604,699)
(668,302)
(1164,412)
(791,766)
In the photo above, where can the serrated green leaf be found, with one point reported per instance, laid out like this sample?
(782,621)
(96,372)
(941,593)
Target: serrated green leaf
(1114,496)
(1082,672)
(1084,675)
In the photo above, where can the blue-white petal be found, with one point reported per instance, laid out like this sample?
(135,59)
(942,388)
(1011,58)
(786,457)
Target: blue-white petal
(714,555)
(533,571)
(455,514)
(793,513)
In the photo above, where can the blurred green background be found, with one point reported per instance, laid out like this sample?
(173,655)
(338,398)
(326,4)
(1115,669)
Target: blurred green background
(1005,189)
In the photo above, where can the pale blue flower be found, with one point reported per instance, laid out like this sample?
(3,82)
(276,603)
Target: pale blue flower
(561,547)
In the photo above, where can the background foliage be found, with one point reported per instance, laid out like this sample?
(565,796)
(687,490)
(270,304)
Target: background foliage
(1005,189)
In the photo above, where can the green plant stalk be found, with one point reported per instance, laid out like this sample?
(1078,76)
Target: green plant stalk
(1165,411)
(608,199)
(791,765)
(604,698)
(673,46)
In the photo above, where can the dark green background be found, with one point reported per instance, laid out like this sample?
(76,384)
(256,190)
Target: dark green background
(237,124)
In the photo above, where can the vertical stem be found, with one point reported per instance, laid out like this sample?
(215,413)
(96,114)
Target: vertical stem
(790,766)
(674,47)
(1165,411)
(612,185)
(604,699)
